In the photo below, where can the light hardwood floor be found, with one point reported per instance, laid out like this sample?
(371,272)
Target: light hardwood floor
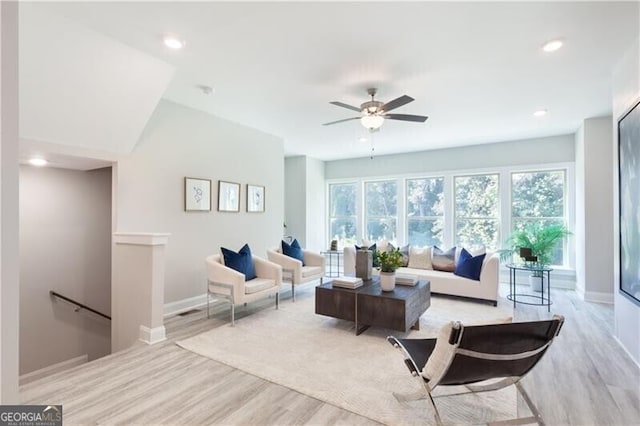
(585,379)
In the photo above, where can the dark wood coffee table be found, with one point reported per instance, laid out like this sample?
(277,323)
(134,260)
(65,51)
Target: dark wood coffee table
(368,305)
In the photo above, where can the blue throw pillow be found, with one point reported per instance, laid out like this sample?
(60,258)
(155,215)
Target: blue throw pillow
(241,261)
(469,266)
(293,250)
(373,248)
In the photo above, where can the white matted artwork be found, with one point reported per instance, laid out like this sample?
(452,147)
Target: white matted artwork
(228,196)
(255,198)
(197,195)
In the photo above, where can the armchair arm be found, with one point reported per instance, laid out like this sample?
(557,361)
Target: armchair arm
(284,261)
(349,259)
(312,258)
(267,269)
(217,273)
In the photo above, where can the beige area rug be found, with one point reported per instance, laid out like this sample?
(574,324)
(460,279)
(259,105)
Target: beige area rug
(323,358)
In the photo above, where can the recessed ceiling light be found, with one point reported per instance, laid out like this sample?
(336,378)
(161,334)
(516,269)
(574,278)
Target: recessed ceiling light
(173,42)
(38,162)
(540,113)
(552,45)
(207,90)
(362,139)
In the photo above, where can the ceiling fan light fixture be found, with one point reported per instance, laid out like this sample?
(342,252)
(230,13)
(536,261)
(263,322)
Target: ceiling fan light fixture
(372,121)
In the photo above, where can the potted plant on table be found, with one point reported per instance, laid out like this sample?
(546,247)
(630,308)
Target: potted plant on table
(541,240)
(388,262)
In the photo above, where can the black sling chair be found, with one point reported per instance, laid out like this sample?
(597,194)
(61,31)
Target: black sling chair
(467,355)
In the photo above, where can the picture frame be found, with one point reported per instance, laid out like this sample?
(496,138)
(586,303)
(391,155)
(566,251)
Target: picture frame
(228,196)
(197,194)
(255,198)
(629,202)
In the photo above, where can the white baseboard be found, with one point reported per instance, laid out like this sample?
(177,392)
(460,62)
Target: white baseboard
(636,362)
(152,335)
(184,305)
(598,297)
(53,369)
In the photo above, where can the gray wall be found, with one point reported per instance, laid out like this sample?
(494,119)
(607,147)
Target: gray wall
(178,142)
(626,89)
(555,149)
(594,211)
(65,245)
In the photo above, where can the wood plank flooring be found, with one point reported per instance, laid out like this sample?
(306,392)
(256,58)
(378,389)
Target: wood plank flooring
(585,379)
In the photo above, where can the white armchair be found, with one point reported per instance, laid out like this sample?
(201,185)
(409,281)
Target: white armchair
(229,284)
(294,271)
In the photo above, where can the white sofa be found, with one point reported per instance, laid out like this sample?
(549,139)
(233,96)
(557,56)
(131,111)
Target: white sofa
(447,282)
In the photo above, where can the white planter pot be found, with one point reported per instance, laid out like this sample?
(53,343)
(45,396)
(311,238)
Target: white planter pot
(387,281)
(536,283)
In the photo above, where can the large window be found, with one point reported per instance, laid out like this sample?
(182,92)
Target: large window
(425,211)
(477,211)
(539,197)
(342,212)
(381,210)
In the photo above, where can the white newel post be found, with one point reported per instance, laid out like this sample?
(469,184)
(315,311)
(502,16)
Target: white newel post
(137,291)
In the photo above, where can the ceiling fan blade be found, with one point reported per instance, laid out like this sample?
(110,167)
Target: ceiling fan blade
(341,121)
(407,117)
(343,105)
(398,102)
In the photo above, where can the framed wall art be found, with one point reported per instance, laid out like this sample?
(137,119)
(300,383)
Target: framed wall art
(255,198)
(228,196)
(629,199)
(197,195)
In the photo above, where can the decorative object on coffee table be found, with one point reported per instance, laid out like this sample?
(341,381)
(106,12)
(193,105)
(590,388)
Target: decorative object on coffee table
(388,262)
(334,245)
(364,263)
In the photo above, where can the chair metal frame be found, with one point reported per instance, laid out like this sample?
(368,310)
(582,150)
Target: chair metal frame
(229,297)
(454,339)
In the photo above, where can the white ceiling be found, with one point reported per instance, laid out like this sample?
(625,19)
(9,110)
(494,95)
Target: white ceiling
(475,68)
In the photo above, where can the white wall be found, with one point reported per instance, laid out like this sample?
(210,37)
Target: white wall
(555,149)
(316,238)
(178,142)
(65,246)
(295,185)
(9,289)
(626,91)
(594,212)
(305,201)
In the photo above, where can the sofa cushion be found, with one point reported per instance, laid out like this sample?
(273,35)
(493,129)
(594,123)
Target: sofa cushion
(293,250)
(258,284)
(241,261)
(443,260)
(420,257)
(469,266)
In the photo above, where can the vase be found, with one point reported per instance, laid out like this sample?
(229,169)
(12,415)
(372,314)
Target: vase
(387,281)
(536,283)
(364,263)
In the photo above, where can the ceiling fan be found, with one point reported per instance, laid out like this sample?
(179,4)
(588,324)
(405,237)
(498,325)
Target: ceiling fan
(373,113)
